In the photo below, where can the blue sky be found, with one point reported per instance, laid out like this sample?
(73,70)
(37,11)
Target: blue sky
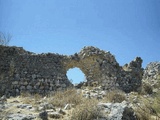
(126,28)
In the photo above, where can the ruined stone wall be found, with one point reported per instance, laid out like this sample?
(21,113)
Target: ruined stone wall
(21,70)
(152,74)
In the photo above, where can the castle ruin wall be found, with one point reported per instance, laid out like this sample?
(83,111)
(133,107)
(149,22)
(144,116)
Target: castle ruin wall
(21,70)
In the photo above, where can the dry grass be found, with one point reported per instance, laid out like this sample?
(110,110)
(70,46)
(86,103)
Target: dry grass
(156,103)
(147,89)
(141,106)
(146,108)
(12,108)
(153,104)
(70,96)
(86,111)
(25,94)
(30,99)
(115,96)
(142,113)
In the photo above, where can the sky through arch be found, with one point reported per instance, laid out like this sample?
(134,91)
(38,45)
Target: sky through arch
(75,75)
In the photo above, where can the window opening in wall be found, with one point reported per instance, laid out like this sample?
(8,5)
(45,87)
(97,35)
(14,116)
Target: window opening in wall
(75,75)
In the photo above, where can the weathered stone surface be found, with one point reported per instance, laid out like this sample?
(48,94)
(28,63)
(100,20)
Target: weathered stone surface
(67,107)
(20,117)
(151,76)
(41,73)
(46,105)
(152,71)
(25,106)
(117,111)
(54,115)
(3,99)
(43,115)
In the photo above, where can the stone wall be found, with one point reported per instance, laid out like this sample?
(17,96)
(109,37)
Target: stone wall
(21,70)
(152,74)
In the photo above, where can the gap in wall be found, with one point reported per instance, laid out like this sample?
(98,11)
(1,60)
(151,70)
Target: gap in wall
(75,75)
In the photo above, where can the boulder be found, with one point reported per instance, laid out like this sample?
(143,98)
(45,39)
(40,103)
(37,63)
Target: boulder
(117,111)
(18,116)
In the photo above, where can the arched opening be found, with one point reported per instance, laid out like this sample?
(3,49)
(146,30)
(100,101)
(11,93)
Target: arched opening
(75,75)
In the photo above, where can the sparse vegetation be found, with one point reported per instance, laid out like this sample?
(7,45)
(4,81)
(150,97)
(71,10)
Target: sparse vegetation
(147,89)
(86,111)
(142,114)
(30,99)
(156,103)
(115,96)
(5,38)
(145,108)
(70,96)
